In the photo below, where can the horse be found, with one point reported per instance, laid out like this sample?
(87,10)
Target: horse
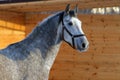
(32,57)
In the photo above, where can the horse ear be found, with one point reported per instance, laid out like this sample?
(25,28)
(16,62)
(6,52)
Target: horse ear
(76,9)
(67,9)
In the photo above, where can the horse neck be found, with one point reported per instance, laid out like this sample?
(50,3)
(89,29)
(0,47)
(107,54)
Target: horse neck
(45,37)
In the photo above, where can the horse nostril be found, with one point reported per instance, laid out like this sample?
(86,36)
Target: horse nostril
(83,45)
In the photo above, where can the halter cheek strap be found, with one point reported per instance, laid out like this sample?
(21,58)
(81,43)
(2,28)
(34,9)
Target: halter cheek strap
(72,36)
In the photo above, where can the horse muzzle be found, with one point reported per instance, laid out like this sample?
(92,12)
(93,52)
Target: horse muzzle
(82,44)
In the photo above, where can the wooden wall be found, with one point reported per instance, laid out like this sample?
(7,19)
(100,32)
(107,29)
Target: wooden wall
(12,27)
(100,62)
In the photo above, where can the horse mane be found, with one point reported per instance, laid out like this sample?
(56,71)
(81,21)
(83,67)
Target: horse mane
(45,24)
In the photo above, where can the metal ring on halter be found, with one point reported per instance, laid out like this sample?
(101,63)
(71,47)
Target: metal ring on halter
(72,36)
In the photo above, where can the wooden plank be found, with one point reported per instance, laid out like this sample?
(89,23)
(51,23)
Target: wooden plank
(51,5)
(85,75)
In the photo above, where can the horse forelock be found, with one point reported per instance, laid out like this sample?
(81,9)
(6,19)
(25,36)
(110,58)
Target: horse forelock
(72,13)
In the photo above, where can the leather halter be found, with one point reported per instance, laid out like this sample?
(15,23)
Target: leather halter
(72,36)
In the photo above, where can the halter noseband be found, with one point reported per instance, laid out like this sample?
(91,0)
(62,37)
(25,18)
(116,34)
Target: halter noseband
(72,36)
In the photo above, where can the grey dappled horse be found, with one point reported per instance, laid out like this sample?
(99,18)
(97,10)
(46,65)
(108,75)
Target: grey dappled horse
(32,58)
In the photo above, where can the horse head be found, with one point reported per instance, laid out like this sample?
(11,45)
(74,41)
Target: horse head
(72,32)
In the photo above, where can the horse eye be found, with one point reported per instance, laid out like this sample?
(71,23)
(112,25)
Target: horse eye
(70,23)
